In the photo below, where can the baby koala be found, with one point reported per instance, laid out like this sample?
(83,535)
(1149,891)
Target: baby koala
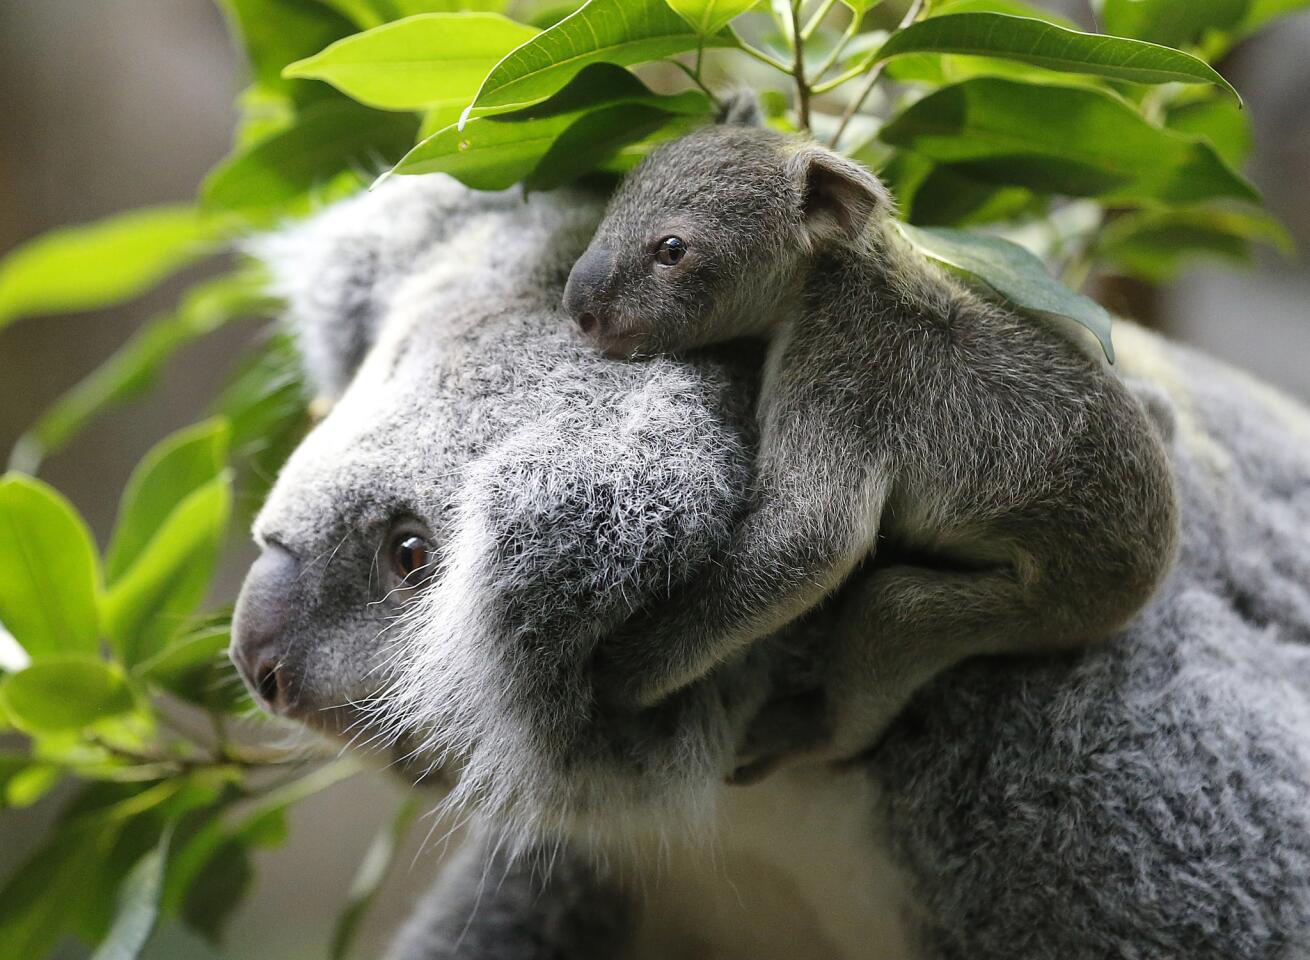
(1010,492)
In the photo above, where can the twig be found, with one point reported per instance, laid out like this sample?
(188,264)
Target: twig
(836,51)
(912,14)
(760,55)
(798,68)
(818,19)
(694,77)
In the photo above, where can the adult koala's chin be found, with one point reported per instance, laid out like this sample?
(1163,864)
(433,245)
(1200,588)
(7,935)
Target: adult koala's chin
(445,554)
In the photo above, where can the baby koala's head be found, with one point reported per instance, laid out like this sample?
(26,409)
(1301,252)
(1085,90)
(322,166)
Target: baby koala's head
(707,238)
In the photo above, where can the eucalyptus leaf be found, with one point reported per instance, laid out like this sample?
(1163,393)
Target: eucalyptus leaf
(1014,273)
(170,471)
(274,33)
(138,906)
(1220,122)
(1156,244)
(373,870)
(64,693)
(708,17)
(1170,21)
(135,367)
(103,263)
(492,153)
(1051,47)
(429,61)
(1262,12)
(49,570)
(1062,139)
(623,32)
(268,177)
(1014,8)
(150,601)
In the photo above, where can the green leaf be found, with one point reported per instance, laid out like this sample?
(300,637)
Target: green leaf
(327,139)
(1156,245)
(49,571)
(434,60)
(195,668)
(276,32)
(22,788)
(372,872)
(492,153)
(624,32)
(170,471)
(947,197)
(708,17)
(265,402)
(135,367)
(64,693)
(1014,273)
(1061,139)
(1262,12)
(1050,47)
(138,906)
(151,600)
(1014,8)
(103,263)
(1169,21)
(212,898)
(1221,123)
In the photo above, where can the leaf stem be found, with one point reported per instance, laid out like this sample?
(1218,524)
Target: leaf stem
(760,55)
(798,68)
(835,53)
(911,14)
(694,77)
(818,18)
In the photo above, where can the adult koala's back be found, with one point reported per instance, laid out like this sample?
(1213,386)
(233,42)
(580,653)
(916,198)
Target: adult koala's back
(1147,799)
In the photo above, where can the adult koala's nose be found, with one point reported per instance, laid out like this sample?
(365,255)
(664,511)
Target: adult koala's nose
(260,635)
(584,293)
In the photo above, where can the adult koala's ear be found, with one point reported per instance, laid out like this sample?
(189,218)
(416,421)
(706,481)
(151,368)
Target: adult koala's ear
(337,270)
(742,108)
(839,197)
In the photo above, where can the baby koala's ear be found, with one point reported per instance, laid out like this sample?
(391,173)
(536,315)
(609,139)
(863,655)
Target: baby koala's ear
(839,197)
(742,108)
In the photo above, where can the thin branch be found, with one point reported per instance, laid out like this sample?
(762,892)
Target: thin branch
(760,55)
(798,68)
(835,53)
(818,19)
(912,14)
(694,77)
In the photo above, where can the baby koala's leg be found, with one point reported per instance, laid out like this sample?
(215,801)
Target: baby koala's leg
(909,624)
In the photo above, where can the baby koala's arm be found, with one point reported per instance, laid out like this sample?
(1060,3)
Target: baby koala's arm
(820,494)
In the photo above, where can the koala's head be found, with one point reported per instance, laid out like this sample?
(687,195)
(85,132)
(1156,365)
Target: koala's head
(446,554)
(706,239)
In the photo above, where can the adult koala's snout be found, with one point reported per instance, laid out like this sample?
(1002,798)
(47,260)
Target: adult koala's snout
(261,647)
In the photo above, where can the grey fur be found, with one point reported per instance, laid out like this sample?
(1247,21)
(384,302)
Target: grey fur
(1148,798)
(897,408)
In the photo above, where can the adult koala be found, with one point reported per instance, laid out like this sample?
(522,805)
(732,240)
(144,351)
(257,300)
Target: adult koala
(1147,799)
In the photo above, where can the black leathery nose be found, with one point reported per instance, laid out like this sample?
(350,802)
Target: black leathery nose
(586,284)
(260,634)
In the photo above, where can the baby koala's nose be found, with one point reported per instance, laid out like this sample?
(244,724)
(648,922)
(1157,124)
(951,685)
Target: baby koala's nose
(583,294)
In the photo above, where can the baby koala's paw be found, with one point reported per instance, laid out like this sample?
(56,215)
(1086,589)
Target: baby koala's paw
(784,731)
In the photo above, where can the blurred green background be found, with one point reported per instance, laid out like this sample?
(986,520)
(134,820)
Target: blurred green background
(112,104)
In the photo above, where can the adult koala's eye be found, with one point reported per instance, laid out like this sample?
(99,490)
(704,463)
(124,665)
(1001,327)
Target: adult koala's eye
(670,251)
(411,557)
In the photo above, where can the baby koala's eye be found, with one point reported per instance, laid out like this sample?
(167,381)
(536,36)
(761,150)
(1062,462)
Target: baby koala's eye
(411,558)
(670,251)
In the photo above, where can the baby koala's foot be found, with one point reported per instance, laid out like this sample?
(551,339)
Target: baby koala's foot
(784,731)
